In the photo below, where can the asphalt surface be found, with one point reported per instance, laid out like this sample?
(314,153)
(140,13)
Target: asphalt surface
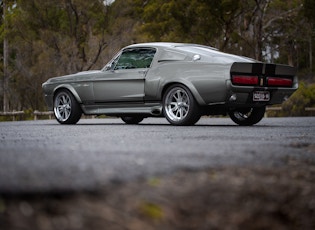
(43,156)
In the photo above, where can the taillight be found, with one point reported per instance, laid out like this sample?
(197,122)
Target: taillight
(280,82)
(244,80)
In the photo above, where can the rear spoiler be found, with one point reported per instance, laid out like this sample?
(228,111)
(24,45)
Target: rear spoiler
(263,69)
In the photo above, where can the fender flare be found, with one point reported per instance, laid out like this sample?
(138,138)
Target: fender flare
(186,83)
(71,89)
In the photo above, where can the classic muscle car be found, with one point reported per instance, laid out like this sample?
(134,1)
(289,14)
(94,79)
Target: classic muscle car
(179,81)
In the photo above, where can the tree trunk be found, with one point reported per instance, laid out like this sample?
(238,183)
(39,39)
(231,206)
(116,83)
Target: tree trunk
(5,63)
(311,54)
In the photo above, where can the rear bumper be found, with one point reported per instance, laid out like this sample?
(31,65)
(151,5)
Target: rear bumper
(243,95)
(266,77)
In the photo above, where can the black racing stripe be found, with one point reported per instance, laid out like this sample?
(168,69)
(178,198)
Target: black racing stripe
(257,68)
(270,69)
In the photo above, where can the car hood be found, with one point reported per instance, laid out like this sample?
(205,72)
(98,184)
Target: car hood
(74,77)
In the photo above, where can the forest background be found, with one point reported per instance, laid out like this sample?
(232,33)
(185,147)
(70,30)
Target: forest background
(47,38)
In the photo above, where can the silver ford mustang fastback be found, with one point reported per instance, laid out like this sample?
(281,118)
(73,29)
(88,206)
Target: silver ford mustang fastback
(179,81)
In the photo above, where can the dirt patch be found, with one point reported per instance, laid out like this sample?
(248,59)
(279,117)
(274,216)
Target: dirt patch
(220,198)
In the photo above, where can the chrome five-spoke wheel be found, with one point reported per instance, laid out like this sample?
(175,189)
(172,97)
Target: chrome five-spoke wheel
(180,107)
(66,108)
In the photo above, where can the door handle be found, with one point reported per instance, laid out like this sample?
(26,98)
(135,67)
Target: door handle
(143,71)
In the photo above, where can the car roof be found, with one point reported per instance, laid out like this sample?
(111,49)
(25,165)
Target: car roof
(190,48)
(166,45)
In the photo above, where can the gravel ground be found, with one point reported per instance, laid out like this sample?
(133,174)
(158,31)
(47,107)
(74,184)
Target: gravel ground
(217,198)
(257,194)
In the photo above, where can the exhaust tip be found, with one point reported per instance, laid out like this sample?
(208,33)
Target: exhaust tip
(156,111)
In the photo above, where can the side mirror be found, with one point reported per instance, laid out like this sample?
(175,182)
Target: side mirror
(109,66)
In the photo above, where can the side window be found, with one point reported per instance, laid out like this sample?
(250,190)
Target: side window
(135,58)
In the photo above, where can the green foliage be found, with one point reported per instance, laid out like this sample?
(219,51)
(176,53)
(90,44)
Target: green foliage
(53,38)
(186,20)
(48,39)
(309,9)
(304,97)
(151,210)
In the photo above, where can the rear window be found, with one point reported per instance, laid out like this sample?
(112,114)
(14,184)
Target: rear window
(170,55)
(209,54)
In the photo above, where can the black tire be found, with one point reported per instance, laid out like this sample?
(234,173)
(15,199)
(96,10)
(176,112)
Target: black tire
(66,108)
(180,106)
(132,120)
(247,116)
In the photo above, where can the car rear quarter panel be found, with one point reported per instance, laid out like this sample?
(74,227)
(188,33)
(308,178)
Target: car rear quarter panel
(206,81)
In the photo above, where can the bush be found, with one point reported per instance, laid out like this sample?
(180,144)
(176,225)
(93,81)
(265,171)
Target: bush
(302,98)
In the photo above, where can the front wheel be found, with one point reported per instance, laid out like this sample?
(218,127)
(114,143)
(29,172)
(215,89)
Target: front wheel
(180,107)
(66,108)
(247,116)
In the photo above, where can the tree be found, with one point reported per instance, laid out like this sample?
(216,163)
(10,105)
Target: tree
(205,22)
(6,6)
(52,39)
(309,9)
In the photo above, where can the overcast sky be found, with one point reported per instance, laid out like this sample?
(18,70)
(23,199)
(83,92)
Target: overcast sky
(108,2)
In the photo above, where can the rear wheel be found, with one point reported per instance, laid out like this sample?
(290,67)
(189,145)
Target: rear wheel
(180,107)
(132,120)
(247,116)
(66,108)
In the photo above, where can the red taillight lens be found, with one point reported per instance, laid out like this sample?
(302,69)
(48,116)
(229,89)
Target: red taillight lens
(281,82)
(244,80)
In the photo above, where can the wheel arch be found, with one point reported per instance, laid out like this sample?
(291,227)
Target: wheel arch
(69,88)
(188,85)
